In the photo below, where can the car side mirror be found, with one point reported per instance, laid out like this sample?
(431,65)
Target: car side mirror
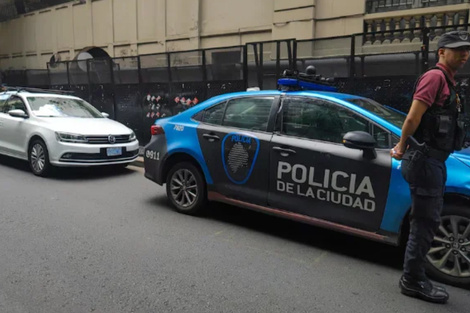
(105,114)
(362,141)
(18,113)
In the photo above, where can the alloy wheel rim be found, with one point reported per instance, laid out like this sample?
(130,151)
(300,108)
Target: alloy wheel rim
(450,250)
(38,158)
(184,188)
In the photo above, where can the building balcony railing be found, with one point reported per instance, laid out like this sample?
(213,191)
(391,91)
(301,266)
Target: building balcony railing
(12,9)
(376,6)
(408,29)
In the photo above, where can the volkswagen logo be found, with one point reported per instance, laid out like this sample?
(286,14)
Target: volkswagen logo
(112,139)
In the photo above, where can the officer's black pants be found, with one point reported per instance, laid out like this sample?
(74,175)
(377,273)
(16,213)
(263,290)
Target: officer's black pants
(427,181)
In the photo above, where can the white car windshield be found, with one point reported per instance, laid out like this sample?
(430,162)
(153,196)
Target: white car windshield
(62,107)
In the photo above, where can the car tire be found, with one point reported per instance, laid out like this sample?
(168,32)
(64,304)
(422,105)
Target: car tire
(450,248)
(186,189)
(38,158)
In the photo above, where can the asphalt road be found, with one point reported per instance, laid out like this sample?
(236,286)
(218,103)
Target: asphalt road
(101,240)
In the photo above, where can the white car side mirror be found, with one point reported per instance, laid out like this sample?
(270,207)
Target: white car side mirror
(105,114)
(18,113)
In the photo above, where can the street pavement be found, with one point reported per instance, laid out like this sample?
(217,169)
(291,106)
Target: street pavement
(106,240)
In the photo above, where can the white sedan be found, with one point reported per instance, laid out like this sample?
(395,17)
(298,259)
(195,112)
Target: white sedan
(49,129)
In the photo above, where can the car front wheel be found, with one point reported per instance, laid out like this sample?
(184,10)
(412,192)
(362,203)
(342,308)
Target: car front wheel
(186,189)
(449,256)
(38,157)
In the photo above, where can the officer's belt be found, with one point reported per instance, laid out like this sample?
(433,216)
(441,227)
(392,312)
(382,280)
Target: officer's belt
(437,154)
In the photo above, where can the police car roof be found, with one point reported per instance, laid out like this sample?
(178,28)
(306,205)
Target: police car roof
(336,95)
(327,95)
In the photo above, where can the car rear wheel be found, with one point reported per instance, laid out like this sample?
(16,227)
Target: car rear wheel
(39,158)
(186,189)
(449,256)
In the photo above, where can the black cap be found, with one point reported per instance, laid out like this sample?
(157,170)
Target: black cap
(454,39)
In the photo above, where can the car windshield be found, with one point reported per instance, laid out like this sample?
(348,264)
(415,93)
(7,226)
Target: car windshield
(62,107)
(390,115)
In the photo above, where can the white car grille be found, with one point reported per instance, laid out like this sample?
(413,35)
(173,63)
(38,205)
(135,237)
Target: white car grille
(111,139)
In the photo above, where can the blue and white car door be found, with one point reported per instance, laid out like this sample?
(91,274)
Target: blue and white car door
(234,137)
(314,174)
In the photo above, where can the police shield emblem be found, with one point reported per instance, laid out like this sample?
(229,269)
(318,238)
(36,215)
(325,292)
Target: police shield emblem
(239,154)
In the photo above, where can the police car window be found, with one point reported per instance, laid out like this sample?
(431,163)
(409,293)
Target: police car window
(395,117)
(320,120)
(382,137)
(199,116)
(248,113)
(214,114)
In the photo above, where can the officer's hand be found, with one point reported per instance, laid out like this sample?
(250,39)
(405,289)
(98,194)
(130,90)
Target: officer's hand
(397,152)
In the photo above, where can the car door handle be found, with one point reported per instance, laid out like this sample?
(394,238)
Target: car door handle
(211,137)
(283,151)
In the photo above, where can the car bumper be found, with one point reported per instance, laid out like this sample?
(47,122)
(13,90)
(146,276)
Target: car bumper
(70,154)
(154,155)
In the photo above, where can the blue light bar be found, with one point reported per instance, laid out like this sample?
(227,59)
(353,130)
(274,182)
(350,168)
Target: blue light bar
(292,82)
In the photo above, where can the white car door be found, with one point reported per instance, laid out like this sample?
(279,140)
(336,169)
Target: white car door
(13,129)
(3,102)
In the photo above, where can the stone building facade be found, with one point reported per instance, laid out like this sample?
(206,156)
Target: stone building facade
(72,30)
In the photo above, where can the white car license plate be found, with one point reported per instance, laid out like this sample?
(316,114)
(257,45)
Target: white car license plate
(113,151)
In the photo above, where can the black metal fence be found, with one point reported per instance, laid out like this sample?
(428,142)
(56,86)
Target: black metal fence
(138,90)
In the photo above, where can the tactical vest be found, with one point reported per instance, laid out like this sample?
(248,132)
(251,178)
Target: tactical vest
(442,127)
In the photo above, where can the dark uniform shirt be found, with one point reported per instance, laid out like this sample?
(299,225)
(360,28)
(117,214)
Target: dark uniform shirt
(431,83)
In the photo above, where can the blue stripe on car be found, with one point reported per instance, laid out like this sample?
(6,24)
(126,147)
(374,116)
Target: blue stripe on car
(185,141)
(398,201)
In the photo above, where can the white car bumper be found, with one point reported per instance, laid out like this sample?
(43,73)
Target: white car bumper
(73,154)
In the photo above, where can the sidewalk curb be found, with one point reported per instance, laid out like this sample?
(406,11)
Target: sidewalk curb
(139,162)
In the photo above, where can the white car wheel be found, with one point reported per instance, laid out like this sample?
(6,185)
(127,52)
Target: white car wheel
(39,158)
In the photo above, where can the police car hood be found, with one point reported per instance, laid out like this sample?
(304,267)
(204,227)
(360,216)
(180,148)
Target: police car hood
(463,155)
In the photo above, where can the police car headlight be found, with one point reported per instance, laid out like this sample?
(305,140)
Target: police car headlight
(74,138)
(132,137)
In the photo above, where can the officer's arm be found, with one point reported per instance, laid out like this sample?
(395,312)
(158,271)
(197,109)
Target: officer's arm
(418,108)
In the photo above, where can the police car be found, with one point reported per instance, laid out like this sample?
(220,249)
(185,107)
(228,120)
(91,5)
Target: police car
(309,154)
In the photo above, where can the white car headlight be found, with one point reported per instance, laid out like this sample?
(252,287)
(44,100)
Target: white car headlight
(132,136)
(71,138)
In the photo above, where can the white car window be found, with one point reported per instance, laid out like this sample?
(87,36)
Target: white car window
(62,107)
(14,103)
(3,99)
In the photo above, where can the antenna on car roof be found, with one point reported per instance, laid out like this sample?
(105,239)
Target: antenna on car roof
(35,90)
(293,80)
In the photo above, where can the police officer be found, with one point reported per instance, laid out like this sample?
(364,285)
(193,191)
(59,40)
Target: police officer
(434,121)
